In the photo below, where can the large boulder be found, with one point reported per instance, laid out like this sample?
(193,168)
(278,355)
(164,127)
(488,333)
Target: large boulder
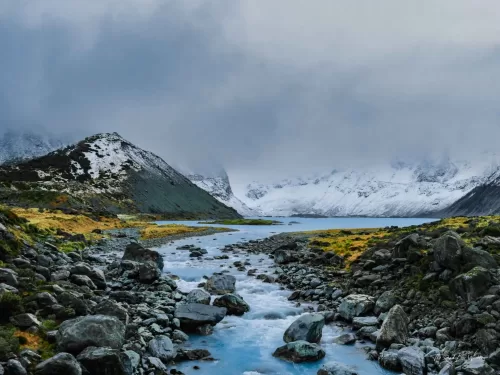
(408,245)
(77,334)
(105,361)
(394,330)
(148,272)
(112,308)
(284,256)
(221,284)
(60,364)
(385,302)
(472,284)
(137,253)
(335,368)
(412,360)
(93,273)
(355,305)
(198,296)
(25,321)
(389,360)
(448,250)
(234,304)
(477,366)
(308,327)
(163,348)
(299,351)
(9,277)
(193,315)
(478,258)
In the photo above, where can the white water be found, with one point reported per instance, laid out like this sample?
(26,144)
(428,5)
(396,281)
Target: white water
(244,345)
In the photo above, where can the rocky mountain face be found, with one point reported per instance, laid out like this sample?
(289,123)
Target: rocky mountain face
(23,145)
(107,173)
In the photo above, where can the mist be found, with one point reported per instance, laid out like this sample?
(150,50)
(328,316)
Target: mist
(262,88)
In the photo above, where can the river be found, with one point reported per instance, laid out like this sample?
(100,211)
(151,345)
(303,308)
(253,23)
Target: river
(244,345)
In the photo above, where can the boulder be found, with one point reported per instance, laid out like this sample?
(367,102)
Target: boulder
(234,304)
(345,339)
(112,308)
(335,368)
(8,277)
(284,256)
(355,305)
(477,366)
(389,360)
(193,315)
(412,360)
(198,296)
(137,253)
(394,330)
(149,272)
(472,284)
(299,351)
(308,327)
(25,321)
(94,274)
(60,364)
(407,245)
(448,250)
(221,284)
(83,280)
(385,302)
(14,367)
(478,258)
(364,321)
(163,348)
(105,361)
(77,334)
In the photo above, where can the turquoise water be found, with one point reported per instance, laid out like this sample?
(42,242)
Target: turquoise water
(244,345)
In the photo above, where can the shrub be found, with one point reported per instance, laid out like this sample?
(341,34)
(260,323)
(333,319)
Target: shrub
(8,342)
(10,304)
(492,230)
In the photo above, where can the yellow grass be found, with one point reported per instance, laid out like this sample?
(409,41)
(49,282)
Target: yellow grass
(161,231)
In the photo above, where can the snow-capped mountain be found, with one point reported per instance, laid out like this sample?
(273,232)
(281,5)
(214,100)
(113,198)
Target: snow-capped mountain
(397,189)
(106,172)
(23,145)
(220,188)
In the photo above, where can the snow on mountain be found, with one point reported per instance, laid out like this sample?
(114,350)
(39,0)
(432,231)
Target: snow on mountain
(22,145)
(397,189)
(220,188)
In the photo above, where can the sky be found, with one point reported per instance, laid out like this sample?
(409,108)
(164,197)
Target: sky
(261,87)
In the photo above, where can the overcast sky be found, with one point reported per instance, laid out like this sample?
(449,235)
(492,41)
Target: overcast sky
(260,86)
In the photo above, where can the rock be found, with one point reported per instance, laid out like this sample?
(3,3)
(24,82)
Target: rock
(407,245)
(111,308)
(8,277)
(477,366)
(157,364)
(94,274)
(284,256)
(198,296)
(105,361)
(149,272)
(83,280)
(355,305)
(494,358)
(137,253)
(385,302)
(60,364)
(14,367)
(345,339)
(389,360)
(45,299)
(179,336)
(394,330)
(133,358)
(308,327)
(163,348)
(412,360)
(448,369)
(364,321)
(478,258)
(77,334)
(335,368)
(221,284)
(192,355)
(193,315)
(472,284)
(234,304)
(314,283)
(448,250)
(25,321)
(60,275)
(299,351)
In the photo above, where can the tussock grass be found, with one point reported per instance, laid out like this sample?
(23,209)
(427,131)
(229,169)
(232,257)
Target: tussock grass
(160,231)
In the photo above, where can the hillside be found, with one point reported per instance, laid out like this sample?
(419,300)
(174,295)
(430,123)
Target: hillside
(107,173)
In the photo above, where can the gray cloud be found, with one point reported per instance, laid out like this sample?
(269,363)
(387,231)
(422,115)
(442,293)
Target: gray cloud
(265,87)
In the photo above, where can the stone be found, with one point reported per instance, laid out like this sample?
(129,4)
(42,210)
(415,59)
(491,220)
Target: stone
(335,368)
(364,321)
(394,330)
(299,351)
(77,334)
(478,258)
(345,339)
(179,336)
(105,361)
(389,360)
(472,284)
(412,360)
(477,366)
(355,305)
(157,364)
(14,367)
(193,315)
(448,250)
(385,302)
(137,253)
(93,273)
(234,304)
(45,299)
(198,296)
(308,327)
(448,369)
(148,272)
(60,364)
(163,348)
(9,277)
(284,256)
(25,321)
(83,280)
(112,308)
(407,245)
(221,284)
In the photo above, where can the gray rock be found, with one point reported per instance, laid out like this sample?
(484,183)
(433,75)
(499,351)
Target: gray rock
(149,272)
(345,339)
(93,273)
(394,330)
(412,360)
(198,296)
(8,277)
(45,299)
(478,258)
(385,302)
(133,358)
(364,321)
(14,367)
(472,284)
(221,284)
(234,304)
(284,256)
(406,245)
(112,308)
(448,369)
(389,360)
(83,280)
(25,321)
(137,253)
(60,275)
(308,327)
(60,364)
(105,361)
(180,336)
(193,315)
(477,366)
(77,334)
(355,305)
(157,364)
(335,368)
(299,351)
(163,348)
(448,250)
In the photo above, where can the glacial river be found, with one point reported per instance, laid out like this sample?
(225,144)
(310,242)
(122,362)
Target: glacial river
(244,345)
